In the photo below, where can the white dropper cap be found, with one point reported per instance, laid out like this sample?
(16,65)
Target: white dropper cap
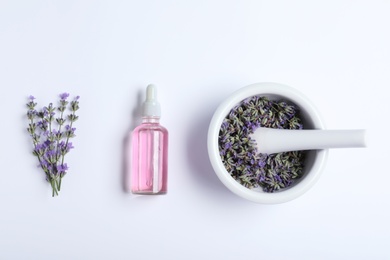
(151,107)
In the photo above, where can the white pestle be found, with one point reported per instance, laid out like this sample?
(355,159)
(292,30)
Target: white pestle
(271,140)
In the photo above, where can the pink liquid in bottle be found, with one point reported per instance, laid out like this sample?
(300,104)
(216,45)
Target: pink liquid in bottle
(150,150)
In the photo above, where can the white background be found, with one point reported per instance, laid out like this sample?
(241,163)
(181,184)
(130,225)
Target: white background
(197,52)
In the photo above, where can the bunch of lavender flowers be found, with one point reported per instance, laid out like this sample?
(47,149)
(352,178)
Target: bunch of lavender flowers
(238,151)
(50,135)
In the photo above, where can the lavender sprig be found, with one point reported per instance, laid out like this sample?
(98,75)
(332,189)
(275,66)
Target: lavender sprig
(239,154)
(50,136)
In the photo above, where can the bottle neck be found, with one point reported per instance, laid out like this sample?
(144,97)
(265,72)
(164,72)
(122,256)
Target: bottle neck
(150,120)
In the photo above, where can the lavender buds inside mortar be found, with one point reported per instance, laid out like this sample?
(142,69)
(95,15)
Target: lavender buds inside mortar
(239,154)
(51,134)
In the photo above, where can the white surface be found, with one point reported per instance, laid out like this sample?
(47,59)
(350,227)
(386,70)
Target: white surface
(197,53)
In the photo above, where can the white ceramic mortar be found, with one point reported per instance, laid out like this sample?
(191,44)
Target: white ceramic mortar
(314,160)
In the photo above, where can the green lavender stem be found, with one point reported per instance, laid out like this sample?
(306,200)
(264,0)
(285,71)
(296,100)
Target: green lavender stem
(59,183)
(53,186)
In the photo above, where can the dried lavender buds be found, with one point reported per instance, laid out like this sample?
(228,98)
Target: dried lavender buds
(238,151)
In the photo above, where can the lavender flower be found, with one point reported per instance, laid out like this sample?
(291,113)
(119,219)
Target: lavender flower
(64,96)
(62,168)
(239,154)
(51,139)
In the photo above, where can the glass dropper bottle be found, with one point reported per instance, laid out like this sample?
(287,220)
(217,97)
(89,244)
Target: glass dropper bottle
(149,165)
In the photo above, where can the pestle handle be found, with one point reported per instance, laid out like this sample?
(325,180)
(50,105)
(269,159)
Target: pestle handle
(270,140)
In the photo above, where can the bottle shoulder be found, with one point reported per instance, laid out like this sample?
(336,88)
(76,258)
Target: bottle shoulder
(150,127)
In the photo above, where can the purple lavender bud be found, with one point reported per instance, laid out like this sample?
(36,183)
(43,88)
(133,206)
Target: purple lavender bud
(261,163)
(47,143)
(69,146)
(64,96)
(228,145)
(62,168)
(44,164)
(50,153)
